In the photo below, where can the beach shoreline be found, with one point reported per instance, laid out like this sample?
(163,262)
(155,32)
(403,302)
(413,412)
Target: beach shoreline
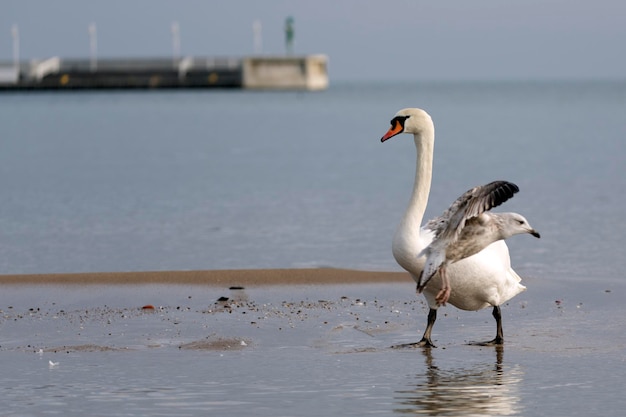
(226,277)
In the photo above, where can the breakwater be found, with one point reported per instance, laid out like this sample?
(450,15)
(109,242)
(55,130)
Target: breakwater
(307,72)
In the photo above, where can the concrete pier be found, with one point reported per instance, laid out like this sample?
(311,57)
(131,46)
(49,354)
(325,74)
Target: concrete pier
(302,73)
(256,72)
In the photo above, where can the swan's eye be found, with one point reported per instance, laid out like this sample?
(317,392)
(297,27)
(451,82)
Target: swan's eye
(399,119)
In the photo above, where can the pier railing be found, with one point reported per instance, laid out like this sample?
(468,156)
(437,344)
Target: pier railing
(40,69)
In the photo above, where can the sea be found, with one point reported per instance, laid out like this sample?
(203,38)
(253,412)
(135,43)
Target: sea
(230,179)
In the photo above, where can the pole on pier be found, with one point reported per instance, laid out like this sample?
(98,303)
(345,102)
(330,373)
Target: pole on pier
(93,47)
(289,34)
(175,42)
(15,34)
(257,30)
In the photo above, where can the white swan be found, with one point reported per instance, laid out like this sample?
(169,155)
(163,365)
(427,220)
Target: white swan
(481,280)
(466,228)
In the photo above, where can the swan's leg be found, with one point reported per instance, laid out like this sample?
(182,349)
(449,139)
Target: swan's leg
(499,339)
(444,293)
(426,341)
(497,314)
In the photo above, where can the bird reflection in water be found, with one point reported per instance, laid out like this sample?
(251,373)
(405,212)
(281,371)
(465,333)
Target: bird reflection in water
(478,390)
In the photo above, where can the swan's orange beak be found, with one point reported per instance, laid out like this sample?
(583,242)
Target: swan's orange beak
(395,129)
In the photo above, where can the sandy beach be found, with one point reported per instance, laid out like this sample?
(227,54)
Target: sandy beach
(290,339)
(242,277)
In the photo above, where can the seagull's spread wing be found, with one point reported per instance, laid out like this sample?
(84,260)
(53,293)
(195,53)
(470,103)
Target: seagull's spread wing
(449,225)
(471,204)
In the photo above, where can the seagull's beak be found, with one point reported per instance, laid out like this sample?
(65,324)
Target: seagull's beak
(534,233)
(395,129)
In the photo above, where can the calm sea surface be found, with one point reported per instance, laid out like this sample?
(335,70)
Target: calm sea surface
(169,180)
(180,180)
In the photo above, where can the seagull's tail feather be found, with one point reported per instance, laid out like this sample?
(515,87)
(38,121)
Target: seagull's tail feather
(433,263)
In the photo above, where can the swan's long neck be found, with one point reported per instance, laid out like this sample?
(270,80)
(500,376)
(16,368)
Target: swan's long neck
(423,175)
(408,242)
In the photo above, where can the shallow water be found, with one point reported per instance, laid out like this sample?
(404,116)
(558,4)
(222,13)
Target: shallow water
(134,181)
(210,180)
(307,350)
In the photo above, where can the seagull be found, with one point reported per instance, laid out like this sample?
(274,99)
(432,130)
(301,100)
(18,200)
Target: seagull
(466,228)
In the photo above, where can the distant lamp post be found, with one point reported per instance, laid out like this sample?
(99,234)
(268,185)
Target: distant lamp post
(15,34)
(257,31)
(289,34)
(93,47)
(175,42)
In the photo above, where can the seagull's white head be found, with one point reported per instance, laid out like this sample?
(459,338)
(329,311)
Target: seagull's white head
(410,120)
(515,224)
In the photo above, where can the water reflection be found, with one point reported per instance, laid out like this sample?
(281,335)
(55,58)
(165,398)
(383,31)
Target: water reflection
(477,390)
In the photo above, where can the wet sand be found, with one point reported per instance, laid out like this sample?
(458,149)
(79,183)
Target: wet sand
(244,277)
(301,342)
(103,297)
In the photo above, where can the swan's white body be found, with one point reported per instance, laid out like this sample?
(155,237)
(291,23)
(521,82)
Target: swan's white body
(481,280)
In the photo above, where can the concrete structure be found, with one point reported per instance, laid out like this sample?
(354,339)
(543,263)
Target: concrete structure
(302,73)
(299,73)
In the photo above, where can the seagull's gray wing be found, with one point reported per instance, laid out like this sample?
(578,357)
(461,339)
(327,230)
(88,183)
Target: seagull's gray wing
(471,204)
(449,225)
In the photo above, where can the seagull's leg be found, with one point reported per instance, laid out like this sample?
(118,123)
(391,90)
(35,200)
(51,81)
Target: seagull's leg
(444,293)
(499,339)
(426,341)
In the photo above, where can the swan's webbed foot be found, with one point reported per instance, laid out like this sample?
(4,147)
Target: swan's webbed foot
(498,341)
(424,343)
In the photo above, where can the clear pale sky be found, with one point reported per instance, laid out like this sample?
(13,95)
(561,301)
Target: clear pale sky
(364,39)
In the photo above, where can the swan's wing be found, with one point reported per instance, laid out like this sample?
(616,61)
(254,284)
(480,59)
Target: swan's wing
(471,204)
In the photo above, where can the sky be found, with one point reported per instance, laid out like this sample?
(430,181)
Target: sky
(364,39)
